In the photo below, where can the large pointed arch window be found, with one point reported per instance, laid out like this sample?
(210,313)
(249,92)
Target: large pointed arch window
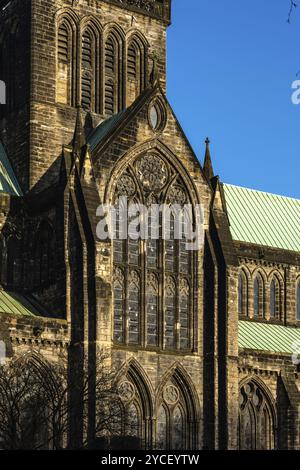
(137,408)
(159,303)
(176,416)
(256,419)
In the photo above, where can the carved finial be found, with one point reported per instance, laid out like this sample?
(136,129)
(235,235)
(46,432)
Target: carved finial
(154,76)
(208,168)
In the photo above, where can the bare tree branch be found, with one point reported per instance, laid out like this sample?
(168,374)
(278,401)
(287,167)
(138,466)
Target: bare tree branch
(36,406)
(293,6)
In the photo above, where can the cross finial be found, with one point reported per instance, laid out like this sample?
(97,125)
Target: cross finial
(207,167)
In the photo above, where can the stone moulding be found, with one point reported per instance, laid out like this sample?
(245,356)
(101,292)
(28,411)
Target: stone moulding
(153,8)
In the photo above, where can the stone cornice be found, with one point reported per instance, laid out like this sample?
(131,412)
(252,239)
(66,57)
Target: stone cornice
(154,8)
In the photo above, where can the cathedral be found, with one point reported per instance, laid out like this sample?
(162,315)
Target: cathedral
(207,341)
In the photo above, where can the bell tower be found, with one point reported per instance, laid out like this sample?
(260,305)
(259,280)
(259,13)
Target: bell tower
(58,54)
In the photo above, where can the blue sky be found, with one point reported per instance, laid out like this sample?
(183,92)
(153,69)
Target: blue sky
(231,65)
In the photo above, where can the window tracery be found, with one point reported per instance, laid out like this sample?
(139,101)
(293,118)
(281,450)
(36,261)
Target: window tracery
(256,419)
(163,266)
(172,431)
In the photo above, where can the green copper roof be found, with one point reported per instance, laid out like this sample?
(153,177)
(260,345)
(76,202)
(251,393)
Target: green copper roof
(101,131)
(268,337)
(262,218)
(16,304)
(8,180)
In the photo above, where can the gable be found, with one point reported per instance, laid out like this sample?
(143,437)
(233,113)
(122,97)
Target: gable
(131,129)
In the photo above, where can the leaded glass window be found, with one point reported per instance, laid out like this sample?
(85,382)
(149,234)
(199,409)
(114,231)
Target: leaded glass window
(134,308)
(158,305)
(152,310)
(275,298)
(243,294)
(170,244)
(119,313)
(258,296)
(170,313)
(184,314)
(256,419)
(172,424)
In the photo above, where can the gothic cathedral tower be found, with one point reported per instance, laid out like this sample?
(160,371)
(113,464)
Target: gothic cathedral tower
(57,54)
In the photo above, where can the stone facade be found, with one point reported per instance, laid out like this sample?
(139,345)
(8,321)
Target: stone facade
(82,61)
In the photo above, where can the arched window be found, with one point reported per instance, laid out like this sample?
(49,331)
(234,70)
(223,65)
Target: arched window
(298,301)
(136,73)
(258,296)
(65,88)
(256,419)
(44,255)
(162,314)
(176,415)
(275,298)
(87,64)
(243,294)
(137,406)
(89,76)
(113,94)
